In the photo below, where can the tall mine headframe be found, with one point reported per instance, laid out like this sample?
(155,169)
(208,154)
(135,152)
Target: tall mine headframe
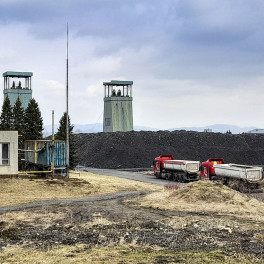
(14,91)
(118,113)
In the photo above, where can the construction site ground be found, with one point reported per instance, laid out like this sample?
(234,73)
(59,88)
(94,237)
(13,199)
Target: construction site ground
(104,219)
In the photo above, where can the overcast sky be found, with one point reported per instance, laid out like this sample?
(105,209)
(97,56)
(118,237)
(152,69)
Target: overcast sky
(193,62)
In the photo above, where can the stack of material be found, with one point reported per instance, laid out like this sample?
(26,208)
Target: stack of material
(138,149)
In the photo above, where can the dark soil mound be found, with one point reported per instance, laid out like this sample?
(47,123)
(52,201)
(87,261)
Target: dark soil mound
(138,149)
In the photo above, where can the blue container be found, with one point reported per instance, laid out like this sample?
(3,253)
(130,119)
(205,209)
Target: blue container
(40,152)
(44,156)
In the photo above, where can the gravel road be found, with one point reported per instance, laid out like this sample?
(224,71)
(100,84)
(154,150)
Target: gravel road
(136,176)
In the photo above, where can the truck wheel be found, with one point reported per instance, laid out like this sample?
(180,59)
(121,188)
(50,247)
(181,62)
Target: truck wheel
(184,178)
(157,174)
(224,181)
(175,178)
(180,178)
(168,176)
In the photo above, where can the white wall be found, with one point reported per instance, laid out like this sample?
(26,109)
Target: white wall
(10,137)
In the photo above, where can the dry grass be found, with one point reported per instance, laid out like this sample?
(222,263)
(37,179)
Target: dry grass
(115,255)
(116,184)
(259,237)
(43,219)
(16,191)
(206,196)
(208,223)
(97,220)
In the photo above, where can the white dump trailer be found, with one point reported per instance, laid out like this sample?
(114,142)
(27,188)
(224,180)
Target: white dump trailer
(241,172)
(181,170)
(186,166)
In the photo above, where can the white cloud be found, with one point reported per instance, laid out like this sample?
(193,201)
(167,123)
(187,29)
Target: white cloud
(192,62)
(52,86)
(93,91)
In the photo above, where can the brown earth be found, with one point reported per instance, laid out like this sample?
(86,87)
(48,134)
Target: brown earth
(138,149)
(118,221)
(108,222)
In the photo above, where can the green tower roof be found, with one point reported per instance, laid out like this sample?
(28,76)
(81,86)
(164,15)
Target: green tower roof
(17,74)
(118,83)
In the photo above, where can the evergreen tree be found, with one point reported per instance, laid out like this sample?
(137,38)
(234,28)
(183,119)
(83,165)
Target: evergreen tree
(61,135)
(18,122)
(33,121)
(6,122)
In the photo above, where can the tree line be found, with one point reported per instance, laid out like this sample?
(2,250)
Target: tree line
(29,124)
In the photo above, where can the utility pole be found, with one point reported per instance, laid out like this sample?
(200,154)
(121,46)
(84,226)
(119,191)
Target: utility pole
(67,109)
(53,145)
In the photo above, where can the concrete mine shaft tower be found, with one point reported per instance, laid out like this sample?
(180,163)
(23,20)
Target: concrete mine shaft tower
(118,113)
(14,91)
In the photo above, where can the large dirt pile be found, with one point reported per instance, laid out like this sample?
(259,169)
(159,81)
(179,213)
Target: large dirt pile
(205,196)
(138,149)
(208,192)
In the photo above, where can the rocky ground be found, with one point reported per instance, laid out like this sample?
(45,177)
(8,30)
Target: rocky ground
(138,149)
(184,221)
(114,221)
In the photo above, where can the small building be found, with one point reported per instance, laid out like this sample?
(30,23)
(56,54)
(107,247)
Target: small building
(256,131)
(8,153)
(118,113)
(14,90)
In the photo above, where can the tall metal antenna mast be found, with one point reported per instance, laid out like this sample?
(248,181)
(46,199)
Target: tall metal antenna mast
(67,108)
(53,145)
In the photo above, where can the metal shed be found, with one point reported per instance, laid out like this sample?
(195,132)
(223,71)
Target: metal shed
(39,152)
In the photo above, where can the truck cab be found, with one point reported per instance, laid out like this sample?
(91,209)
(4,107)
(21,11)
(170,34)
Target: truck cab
(207,168)
(159,165)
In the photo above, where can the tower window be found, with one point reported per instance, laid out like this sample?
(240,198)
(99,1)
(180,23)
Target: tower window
(108,121)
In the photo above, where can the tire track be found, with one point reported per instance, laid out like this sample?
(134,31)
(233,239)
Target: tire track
(103,197)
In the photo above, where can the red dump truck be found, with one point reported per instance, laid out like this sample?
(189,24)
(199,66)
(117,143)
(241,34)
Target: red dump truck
(185,170)
(239,177)
(207,168)
(178,170)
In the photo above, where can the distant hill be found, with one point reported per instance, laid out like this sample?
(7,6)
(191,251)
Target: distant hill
(222,128)
(91,128)
(98,127)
